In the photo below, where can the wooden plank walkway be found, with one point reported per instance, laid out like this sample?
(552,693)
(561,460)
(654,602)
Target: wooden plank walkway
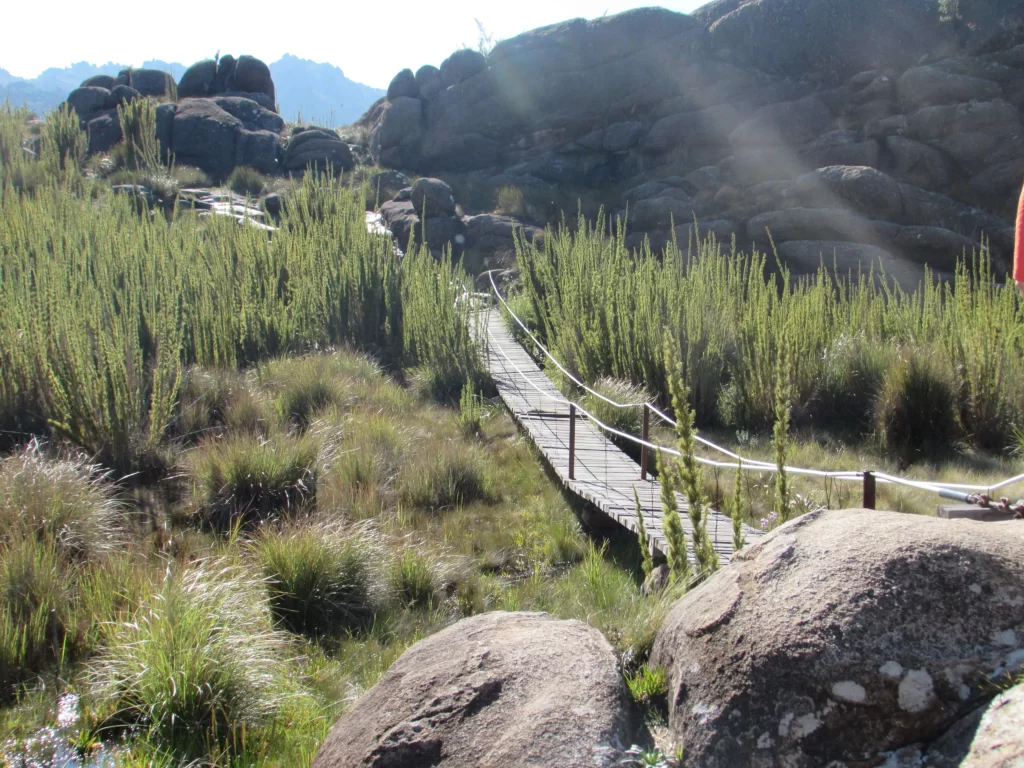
(605,476)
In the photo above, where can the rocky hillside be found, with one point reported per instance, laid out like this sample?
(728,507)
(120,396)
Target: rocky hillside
(853,129)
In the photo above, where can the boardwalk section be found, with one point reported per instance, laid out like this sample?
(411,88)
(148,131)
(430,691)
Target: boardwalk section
(604,475)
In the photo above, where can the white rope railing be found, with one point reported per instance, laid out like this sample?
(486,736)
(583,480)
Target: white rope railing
(953,491)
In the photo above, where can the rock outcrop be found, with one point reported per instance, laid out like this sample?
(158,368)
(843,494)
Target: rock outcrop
(843,635)
(499,690)
(226,117)
(217,134)
(875,97)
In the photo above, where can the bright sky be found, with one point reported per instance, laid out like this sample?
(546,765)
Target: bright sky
(370,41)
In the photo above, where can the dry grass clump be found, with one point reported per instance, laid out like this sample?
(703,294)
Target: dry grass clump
(65,502)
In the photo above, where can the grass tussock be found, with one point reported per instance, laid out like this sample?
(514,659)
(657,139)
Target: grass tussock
(452,475)
(246,479)
(37,610)
(916,411)
(413,579)
(322,579)
(64,502)
(199,659)
(248,182)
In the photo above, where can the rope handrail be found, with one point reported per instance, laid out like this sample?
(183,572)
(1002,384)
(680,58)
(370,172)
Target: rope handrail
(758,466)
(947,490)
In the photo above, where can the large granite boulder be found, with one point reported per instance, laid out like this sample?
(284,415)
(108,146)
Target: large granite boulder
(434,197)
(499,690)
(396,136)
(385,185)
(148,82)
(253,76)
(930,86)
(246,77)
(403,85)
(429,82)
(198,79)
(842,635)
(999,741)
(88,102)
(320,149)
(437,233)
(461,66)
(104,132)
(99,81)
(219,133)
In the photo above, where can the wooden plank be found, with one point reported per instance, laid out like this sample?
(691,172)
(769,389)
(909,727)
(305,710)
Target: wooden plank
(971,512)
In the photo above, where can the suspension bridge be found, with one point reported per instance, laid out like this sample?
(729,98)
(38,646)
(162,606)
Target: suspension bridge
(585,460)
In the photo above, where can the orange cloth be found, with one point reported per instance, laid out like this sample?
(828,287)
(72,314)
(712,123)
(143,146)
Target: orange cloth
(1018,254)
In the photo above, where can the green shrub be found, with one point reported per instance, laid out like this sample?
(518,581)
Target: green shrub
(412,580)
(62,502)
(445,477)
(322,579)
(628,420)
(198,662)
(246,479)
(915,414)
(247,182)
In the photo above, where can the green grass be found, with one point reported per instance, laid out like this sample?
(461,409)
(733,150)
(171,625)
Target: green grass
(247,479)
(198,660)
(322,578)
(603,311)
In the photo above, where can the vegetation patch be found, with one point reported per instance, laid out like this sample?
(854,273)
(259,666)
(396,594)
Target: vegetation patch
(246,479)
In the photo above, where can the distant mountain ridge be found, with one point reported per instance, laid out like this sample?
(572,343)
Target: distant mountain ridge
(319,93)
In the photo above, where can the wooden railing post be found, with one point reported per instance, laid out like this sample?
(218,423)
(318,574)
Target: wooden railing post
(572,441)
(869,490)
(645,434)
